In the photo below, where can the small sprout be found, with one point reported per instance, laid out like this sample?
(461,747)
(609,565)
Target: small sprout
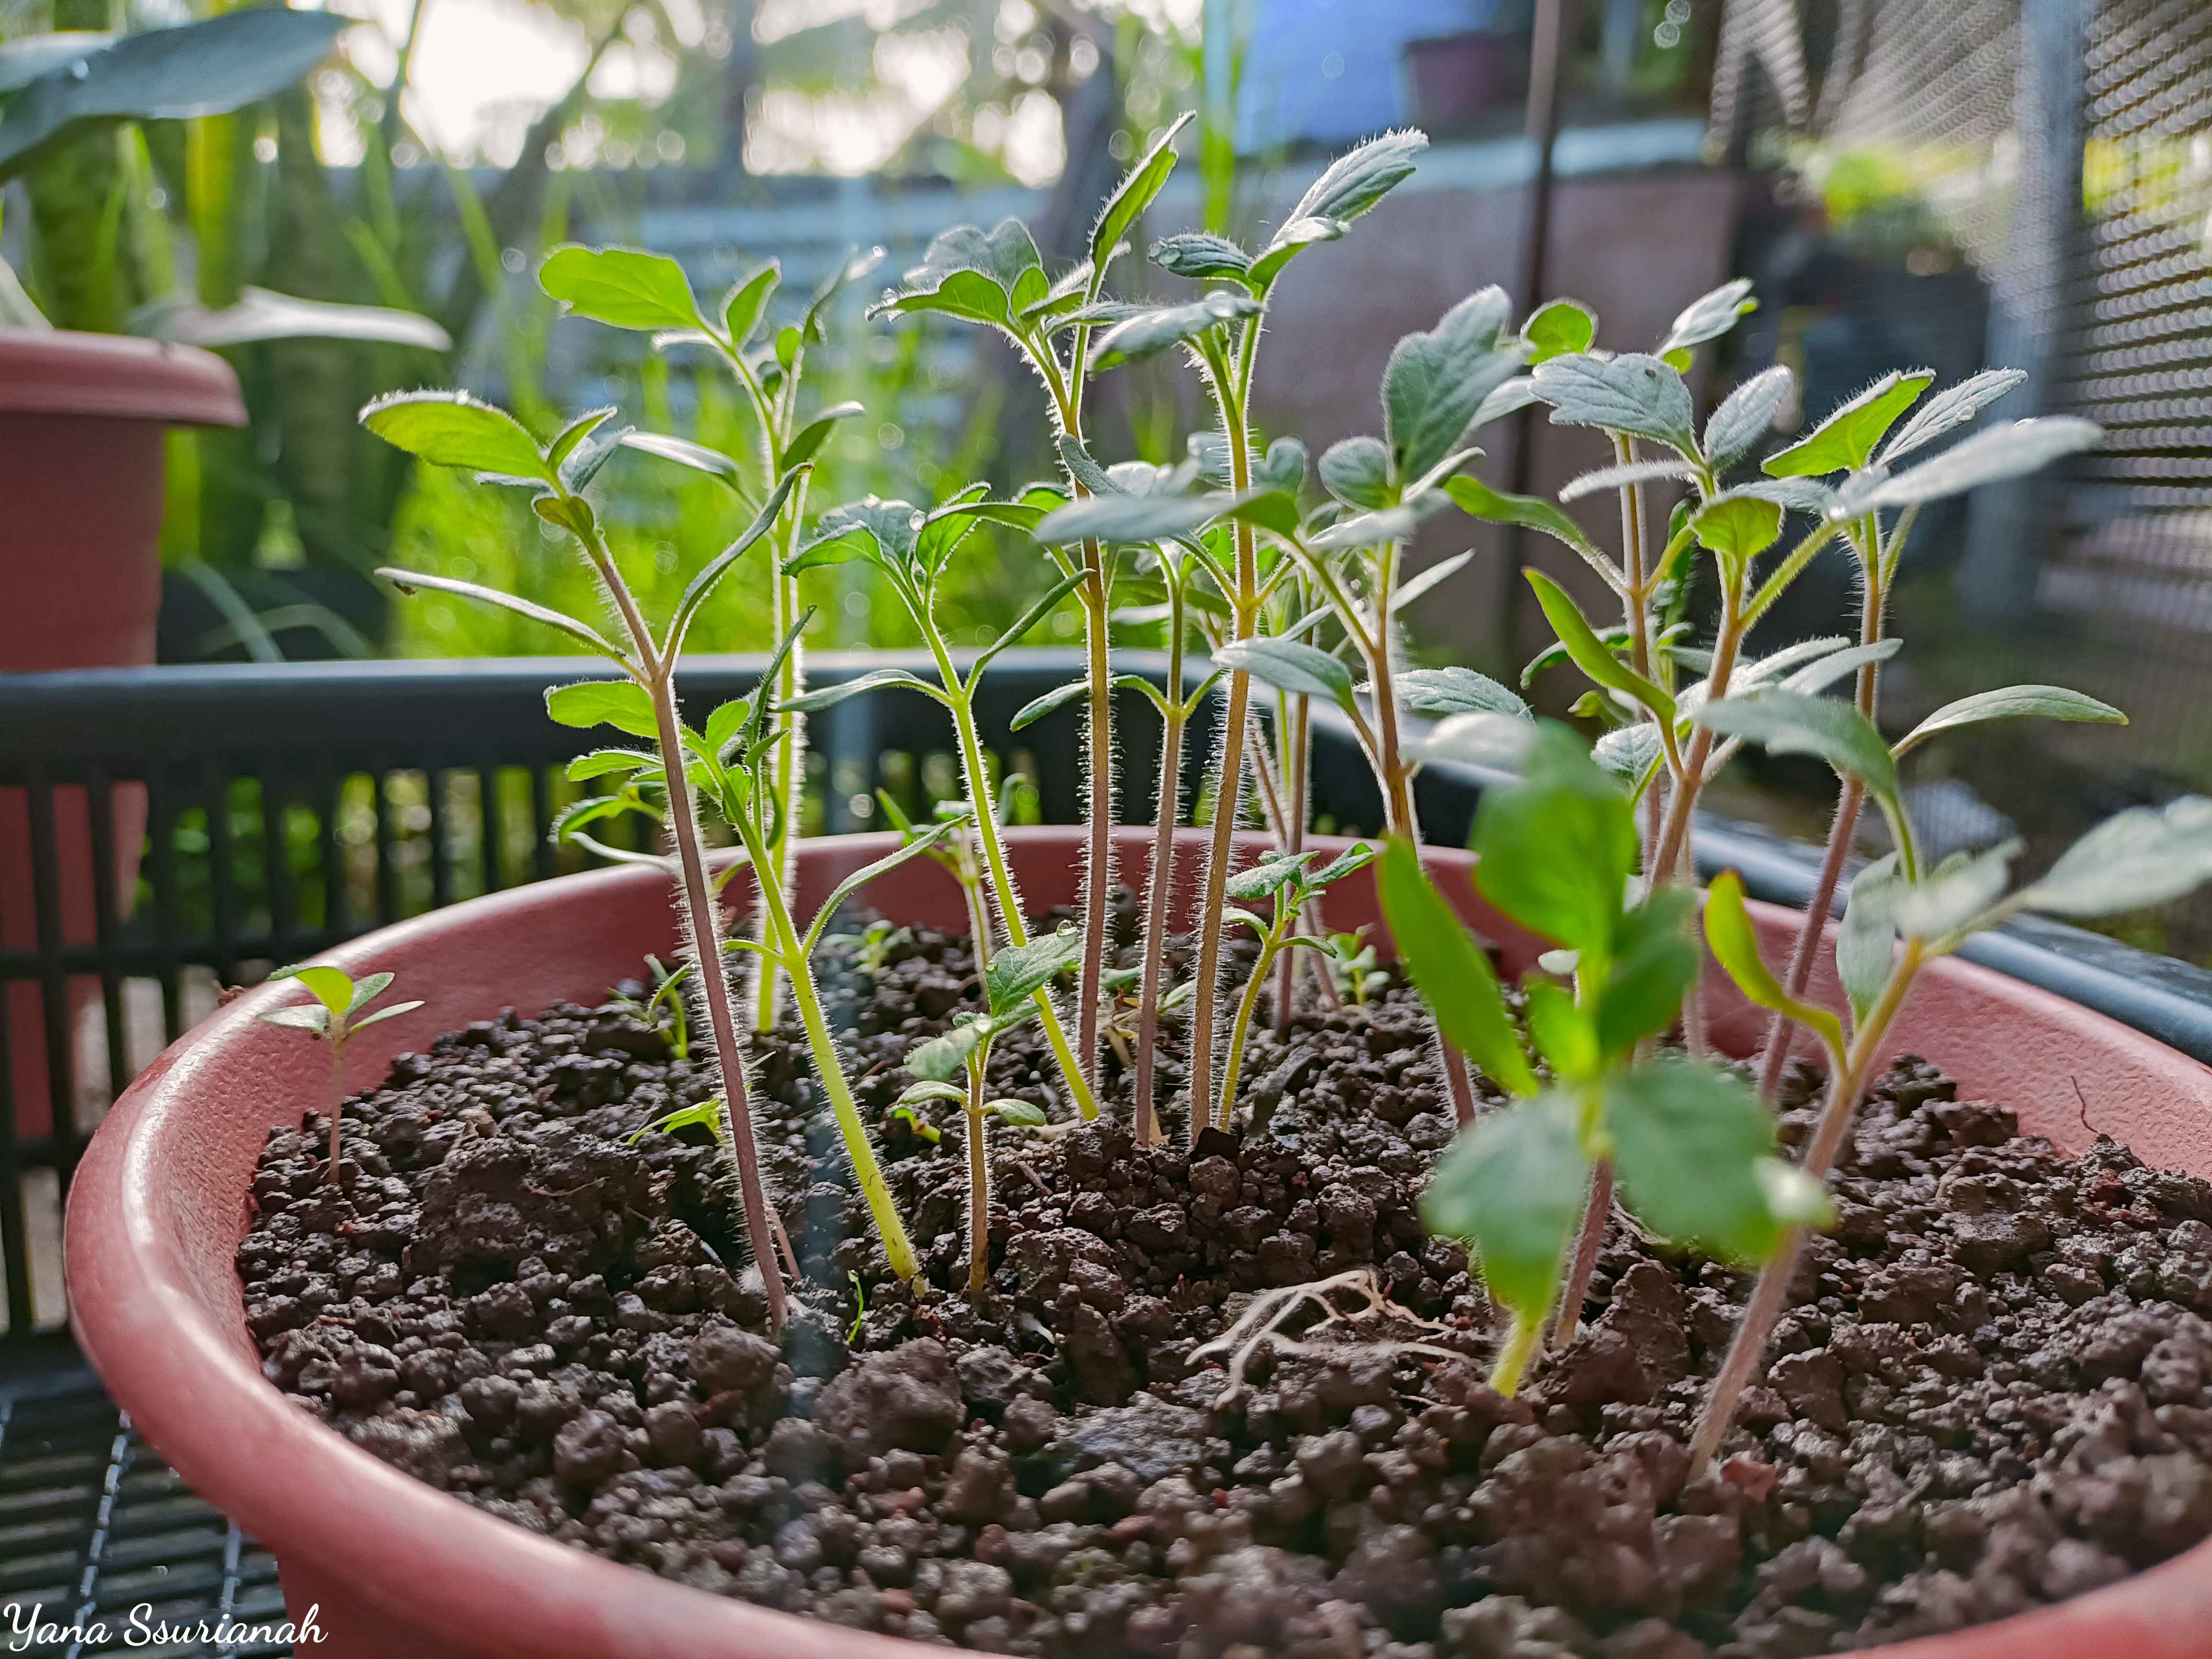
(1353,965)
(905,1112)
(335,1015)
(860,1307)
(711,1114)
(871,951)
(667,1010)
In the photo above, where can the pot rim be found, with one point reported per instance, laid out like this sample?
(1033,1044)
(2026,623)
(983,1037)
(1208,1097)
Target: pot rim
(116,376)
(195,1391)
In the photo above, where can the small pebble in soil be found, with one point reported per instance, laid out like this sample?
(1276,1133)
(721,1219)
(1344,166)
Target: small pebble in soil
(1993,1390)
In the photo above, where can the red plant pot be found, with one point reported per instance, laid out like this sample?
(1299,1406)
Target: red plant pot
(83,420)
(397,1570)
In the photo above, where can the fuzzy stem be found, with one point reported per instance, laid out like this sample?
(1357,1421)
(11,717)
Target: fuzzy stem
(1161,880)
(337,1106)
(979,1185)
(1297,760)
(1098,843)
(1247,1005)
(1772,1290)
(1512,1361)
(830,1067)
(1596,1213)
(1683,808)
(788,759)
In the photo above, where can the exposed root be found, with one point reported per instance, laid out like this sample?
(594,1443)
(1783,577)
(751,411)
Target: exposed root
(1260,1325)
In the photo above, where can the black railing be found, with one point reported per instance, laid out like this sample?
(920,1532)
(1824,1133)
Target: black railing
(290,806)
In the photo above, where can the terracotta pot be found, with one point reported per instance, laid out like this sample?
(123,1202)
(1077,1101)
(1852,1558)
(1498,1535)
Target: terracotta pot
(399,1570)
(83,420)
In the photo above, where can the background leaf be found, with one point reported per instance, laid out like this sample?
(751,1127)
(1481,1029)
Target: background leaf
(2146,856)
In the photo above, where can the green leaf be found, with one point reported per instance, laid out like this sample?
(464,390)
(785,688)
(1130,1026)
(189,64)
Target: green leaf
(702,1114)
(1952,407)
(1629,751)
(1201,257)
(829,696)
(2146,856)
(1634,395)
(1688,1142)
(622,287)
(577,431)
(1057,698)
(916,1094)
(1510,398)
(1449,969)
(1478,500)
(1555,845)
(584,460)
(199,68)
(1022,1113)
(1735,941)
(1708,318)
(382,1014)
(1134,193)
(1845,441)
(451,428)
(1434,381)
(1290,666)
(1149,332)
(259,314)
(1130,519)
(747,302)
(1559,330)
(1561,1031)
(1019,972)
(1513,1187)
(1737,527)
(1866,940)
(682,451)
(1655,963)
(1390,524)
(1273,873)
(810,438)
(940,1059)
(1360,178)
(2011,451)
(332,987)
(608,763)
(1415,588)
(23,61)
(2050,703)
(701,585)
(1458,690)
(1791,723)
(1954,893)
(407,581)
(1356,472)
(967,273)
(885,531)
(1590,654)
(1629,473)
(313,1016)
(1746,415)
(622,704)
(1356,857)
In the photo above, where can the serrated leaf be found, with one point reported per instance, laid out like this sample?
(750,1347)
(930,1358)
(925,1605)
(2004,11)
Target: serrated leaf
(1791,723)
(1866,940)
(1356,472)
(1735,942)
(621,287)
(1149,332)
(1436,380)
(1633,394)
(1687,1143)
(1199,256)
(1746,415)
(1290,665)
(1708,317)
(451,428)
(2012,450)
(1559,330)
(1450,970)
(1951,408)
(1955,892)
(1134,193)
(1018,972)
(1457,690)
(1555,845)
(1845,441)
(1513,1187)
(2050,703)
(622,704)
(2146,856)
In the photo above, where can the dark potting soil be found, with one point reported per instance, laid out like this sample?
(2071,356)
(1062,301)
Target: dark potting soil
(1995,1390)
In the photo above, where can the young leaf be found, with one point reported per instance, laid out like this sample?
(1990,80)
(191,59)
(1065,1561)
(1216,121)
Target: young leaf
(1134,193)
(1746,415)
(1356,472)
(1019,971)
(1735,941)
(451,428)
(916,1094)
(807,443)
(2051,703)
(1955,892)
(1990,457)
(966,273)
(1289,665)
(1556,845)
(577,431)
(1037,708)
(939,1059)
(408,580)
(332,987)
(622,704)
(747,302)
(1127,518)
(582,461)
(1590,654)
(1628,752)
(1352,184)
(1952,407)
(311,1017)
(1434,381)
(1790,723)
(1479,500)
(1559,330)
(1509,398)
(1514,1185)
(1449,969)
(383,1014)
(1416,588)
(1866,940)
(1634,395)
(1200,257)
(701,585)
(2145,855)
(1631,472)
(684,452)
(1358,856)
(366,990)
(1655,963)
(829,696)
(622,287)
(1737,527)
(607,762)
(1687,1144)
(1457,690)
(1149,332)
(1707,318)
(1845,441)
(1561,1030)
(1273,873)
